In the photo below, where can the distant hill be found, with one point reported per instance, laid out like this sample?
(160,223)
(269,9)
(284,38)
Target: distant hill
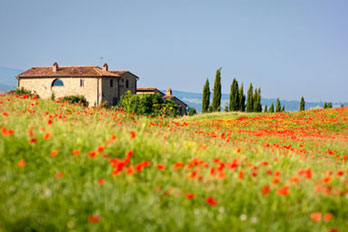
(195,100)
(7,78)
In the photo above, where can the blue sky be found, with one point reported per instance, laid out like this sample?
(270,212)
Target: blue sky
(288,48)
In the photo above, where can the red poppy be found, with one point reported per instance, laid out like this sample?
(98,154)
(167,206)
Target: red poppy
(54,153)
(32,140)
(161,167)
(93,219)
(101,181)
(190,196)
(211,201)
(47,136)
(21,163)
(283,191)
(328,217)
(76,152)
(265,190)
(132,134)
(316,216)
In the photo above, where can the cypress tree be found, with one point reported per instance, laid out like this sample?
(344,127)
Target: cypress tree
(325,105)
(259,106)
(302,104)
(250,99)
(271,109)
(265,109)
(283,109)
(278,107)
(329,105)
(241,99)
(217,91)
(234,96)
(206,97)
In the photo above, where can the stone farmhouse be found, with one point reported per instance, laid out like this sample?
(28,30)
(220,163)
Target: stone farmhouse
(98,85)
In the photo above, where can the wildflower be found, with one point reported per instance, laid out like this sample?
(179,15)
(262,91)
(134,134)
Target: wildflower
(49,122)
(132,134)
(93,219)
(178,165)
(47,136)
(54,153)
(21,163)
(265,190)
(130,170)
(316,216)
(92,154)
(328,217)
(59,174)
(283,191)
(240,174)
(161,167)
(129,154)
(4,131)
(76,152)
(5,114)
(211,201)
(190,196)
(101,181)
(32,140)
(100,149)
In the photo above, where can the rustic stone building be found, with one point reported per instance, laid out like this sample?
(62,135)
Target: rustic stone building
(182,106)
(96,84)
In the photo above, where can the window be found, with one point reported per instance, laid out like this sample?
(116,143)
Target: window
(127,83)
(111,83)
(57,82)
(82,82)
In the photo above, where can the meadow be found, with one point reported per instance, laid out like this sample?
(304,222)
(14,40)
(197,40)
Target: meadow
(70,168)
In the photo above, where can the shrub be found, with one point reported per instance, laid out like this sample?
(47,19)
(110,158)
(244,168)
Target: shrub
(76,99)
(148,104)
(22,92)
(192,111)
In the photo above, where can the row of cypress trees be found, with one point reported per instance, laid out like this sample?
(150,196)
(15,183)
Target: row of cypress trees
(237,97)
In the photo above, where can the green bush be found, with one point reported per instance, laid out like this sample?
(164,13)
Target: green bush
(192,111)
(79,99)
(23,92)
(148,104)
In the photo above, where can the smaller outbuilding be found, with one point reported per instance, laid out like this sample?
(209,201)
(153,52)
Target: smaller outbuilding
(150,90)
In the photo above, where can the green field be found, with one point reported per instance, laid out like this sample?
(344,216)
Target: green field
(68,168)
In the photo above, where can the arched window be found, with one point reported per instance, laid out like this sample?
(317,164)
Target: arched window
(57,82)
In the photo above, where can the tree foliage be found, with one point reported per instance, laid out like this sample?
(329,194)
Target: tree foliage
(234,96)
(206,97)
(302,104)
(241,99)
(250,99)
(278,106)
(216,102)
(148,104)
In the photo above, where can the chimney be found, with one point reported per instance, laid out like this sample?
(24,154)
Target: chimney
(169,92)
(105,67)
(55,67)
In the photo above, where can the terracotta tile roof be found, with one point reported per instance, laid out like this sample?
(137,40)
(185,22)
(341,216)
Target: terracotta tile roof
(120,73)
(146,88)
(172,97)
(67,71)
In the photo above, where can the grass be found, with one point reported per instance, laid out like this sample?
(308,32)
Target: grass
(215,172)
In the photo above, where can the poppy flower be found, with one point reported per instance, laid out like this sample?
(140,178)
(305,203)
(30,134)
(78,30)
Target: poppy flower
(190,196)
(328,217)
(76,152)
(21,163)
(316,216)
(211,201)
(54,153)
(47,136)
(161,167)
(93,219)
(92,154)
(132,134)
(101,181)
(283,191)
(265,190)
(59,175)
(32,140)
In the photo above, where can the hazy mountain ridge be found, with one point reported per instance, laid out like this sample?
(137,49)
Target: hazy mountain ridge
(8,80)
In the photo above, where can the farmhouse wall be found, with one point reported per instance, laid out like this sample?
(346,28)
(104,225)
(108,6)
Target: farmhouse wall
(110,93)
(132,83)
(43,87)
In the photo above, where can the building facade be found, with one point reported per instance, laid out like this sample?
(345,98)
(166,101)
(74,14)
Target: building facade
(97,84)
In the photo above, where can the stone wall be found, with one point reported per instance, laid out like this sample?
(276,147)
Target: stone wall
(110,93)
(132,83)
(43,87)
